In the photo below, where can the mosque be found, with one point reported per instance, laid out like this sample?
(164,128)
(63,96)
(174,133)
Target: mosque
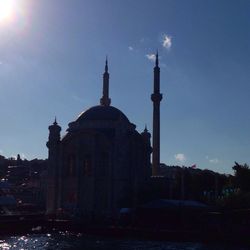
(102,158)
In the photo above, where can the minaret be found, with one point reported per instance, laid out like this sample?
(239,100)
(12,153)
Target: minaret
(105,100)
(156,98)
(146,136)
(53,145)
(148,150)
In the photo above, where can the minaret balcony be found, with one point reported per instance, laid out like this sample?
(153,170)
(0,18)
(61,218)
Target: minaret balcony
(156,97)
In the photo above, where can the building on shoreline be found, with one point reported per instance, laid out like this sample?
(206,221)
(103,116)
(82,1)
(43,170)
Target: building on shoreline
(100,161)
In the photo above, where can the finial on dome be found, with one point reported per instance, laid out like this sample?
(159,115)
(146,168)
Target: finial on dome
(55,122)
(145,129)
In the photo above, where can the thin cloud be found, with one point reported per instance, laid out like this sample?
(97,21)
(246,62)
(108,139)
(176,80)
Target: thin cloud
(214,161)
(142,40)
(180,157)
(151,57)
(130,48)
(167,41)
(78,99)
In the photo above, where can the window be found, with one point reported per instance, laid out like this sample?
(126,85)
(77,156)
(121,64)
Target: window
(71,165)
(104,163)
(87,165)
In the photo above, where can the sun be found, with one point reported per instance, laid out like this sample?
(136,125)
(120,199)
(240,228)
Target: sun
(7,9)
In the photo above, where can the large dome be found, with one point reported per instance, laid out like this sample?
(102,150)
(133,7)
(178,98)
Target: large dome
(102,113)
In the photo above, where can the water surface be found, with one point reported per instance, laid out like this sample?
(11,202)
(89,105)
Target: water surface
(66,240)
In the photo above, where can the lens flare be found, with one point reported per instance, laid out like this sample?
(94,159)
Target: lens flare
(7,9)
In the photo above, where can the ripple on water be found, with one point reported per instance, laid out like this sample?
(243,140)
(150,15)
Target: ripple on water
(67,240)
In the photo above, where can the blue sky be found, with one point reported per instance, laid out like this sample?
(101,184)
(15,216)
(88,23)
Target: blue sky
(52,57)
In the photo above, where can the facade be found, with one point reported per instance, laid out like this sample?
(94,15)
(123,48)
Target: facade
(101,162)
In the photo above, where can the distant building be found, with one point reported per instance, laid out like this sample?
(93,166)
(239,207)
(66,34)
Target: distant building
(100,161)
(26,180)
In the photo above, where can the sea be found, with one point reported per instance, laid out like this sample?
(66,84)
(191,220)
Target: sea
(67,240)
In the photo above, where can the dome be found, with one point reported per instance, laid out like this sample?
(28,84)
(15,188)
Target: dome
(102,113)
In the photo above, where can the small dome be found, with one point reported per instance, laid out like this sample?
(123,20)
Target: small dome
(102,113)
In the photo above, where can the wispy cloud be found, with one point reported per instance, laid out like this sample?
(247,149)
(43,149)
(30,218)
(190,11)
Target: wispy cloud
(130,48)
(180,157)
(151,57)
(214,161)
(78,99)
(167,41)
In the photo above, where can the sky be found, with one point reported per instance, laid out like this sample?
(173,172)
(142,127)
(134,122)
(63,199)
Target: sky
(52,56)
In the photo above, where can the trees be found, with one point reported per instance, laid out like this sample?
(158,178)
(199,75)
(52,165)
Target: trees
(240,198)
(242,177)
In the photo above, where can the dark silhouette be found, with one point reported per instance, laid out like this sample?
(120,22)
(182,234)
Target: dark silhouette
(101,159)
(98,178)
(156,98)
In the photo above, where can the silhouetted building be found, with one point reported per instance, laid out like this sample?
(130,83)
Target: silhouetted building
(101,160)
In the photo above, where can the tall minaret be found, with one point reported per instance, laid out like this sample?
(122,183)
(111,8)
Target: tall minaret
(156,98)
(105,100)
(53,145)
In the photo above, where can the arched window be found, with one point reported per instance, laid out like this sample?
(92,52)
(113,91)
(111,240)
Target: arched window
(71,165)
(104,163)
(87,165)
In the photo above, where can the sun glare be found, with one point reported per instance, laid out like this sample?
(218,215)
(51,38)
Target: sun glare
(7,8)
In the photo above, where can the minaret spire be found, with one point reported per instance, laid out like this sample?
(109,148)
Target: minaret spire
(156,59)
(156,98)
(105,100)
(106,65)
